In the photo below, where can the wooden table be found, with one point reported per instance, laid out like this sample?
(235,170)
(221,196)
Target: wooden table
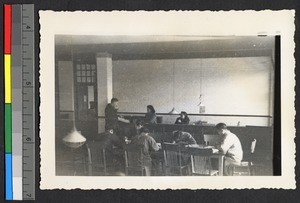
(220,158)
(216,155)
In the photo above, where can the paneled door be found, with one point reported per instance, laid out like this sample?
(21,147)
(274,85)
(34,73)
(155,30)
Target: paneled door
(86,98)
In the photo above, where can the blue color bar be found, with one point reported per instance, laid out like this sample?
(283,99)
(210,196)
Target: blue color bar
(8,177)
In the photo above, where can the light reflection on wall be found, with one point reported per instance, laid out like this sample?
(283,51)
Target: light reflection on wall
(229,86)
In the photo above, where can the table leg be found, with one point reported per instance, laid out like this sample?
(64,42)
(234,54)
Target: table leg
(221,165)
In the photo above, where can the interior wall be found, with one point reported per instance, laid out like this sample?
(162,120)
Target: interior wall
(141,82)
(227,85)
(66,85)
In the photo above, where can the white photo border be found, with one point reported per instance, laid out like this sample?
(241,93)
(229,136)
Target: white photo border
(203,23)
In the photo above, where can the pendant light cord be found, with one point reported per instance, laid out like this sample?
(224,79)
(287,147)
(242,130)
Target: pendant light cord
(173,84)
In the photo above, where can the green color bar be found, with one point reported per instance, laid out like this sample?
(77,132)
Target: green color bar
(8,130)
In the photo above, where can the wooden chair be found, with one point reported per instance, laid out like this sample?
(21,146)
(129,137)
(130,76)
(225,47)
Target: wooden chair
(212,139)
(201,161)
(134,160)
(173,159)
(246,166)
(96,158)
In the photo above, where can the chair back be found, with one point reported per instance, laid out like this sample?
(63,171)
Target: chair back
(133,156)
(134,160)
(210,139)
(200,161)
(96,156)
(253,145)
(246,166)
(172,154)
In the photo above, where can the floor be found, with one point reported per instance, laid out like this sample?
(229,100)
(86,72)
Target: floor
(73,162)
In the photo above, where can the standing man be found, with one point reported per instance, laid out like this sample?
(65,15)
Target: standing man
(111,116)
(230,146)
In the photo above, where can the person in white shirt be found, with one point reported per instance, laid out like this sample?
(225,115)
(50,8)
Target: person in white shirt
(230,146)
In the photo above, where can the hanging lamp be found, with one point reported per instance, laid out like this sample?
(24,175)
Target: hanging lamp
(201,105)
(74,139)
(173,111)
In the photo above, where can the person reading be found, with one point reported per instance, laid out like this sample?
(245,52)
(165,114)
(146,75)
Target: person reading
(230,146)
(183,138)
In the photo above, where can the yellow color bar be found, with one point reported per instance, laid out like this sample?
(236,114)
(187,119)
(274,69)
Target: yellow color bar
(7,78)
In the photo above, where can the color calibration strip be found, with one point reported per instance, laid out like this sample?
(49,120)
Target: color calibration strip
(16,64)
(8,98)
(19,102)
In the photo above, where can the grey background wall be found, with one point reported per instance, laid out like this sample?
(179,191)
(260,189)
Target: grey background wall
(66,85)
(228,86)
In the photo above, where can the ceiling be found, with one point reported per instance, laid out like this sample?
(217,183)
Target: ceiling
(100,39)
(164,47)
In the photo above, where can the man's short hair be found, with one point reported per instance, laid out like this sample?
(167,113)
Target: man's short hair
(114,100)
(140,122)
(144,130)
(221,126)
(176,134)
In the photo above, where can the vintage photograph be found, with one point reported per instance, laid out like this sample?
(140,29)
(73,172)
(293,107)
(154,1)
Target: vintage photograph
(167,100)
(164,105)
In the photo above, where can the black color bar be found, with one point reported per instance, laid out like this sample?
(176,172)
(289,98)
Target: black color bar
(277,110)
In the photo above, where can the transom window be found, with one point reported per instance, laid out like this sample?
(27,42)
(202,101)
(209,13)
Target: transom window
(85,73)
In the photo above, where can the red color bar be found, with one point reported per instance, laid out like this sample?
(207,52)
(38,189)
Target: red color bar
(7,29)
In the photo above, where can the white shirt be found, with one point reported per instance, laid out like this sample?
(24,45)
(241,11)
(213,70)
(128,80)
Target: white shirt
(231,146)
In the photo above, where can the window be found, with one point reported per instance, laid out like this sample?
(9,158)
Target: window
(86,73)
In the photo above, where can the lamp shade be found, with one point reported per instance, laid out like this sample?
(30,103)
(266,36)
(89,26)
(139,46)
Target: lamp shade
(74,139)
(173,111)
(201,108)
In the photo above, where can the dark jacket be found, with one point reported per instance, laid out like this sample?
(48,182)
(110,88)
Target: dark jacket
(185,138)
(109,140)
(147,143)
(179,120)
(111,117)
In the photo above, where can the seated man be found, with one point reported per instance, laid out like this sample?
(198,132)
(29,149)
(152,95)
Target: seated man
(230,146)
(148,144)
(183,138)
(109,141)
(135,130)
